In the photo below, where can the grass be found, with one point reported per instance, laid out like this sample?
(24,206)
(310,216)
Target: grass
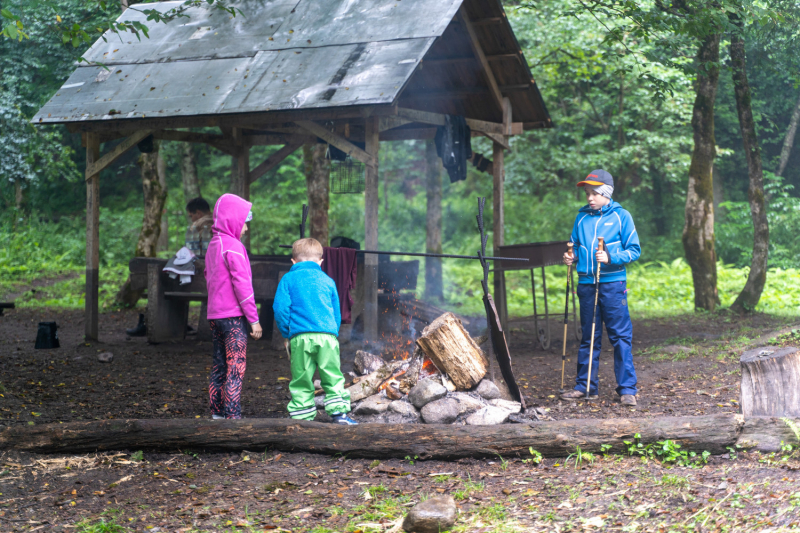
(99,526)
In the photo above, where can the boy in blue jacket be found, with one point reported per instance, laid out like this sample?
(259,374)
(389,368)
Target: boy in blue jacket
(603,217)
(307,312)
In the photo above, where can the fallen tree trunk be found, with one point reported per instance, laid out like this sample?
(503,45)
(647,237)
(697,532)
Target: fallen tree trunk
(712,433)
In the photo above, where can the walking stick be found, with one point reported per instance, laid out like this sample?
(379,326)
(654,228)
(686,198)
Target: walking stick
(566,317)
(594,318)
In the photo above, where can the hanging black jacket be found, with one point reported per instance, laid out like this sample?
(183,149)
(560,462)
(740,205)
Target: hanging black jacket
(454,146)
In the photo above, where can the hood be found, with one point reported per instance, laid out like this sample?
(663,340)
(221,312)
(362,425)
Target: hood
(230,212)
(611,206)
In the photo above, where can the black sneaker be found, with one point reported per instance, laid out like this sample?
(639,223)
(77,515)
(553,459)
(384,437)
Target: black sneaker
(140,330)
(344,420)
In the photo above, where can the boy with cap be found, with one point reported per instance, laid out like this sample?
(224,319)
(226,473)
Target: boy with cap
(603,217)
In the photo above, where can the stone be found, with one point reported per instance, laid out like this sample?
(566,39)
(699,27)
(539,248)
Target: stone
(487,389)
(405,409)
(425,392)
(367,363)
(467,403)
(374,405)
(512,407)
(431,516)
(488,416)
(105,357)
(319,401)
(444,411)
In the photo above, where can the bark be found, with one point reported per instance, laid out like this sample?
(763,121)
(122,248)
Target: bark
(154,199)
(19,198)
(771,382)
(713,433)
(788,141)
(757,278)
(433,223)
(698,231)
(767,434)
(191,184)
(318,179)
(452,350)
(163,235)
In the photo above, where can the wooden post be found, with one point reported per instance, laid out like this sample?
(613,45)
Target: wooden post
(498,212)
(371,232)
(92,307)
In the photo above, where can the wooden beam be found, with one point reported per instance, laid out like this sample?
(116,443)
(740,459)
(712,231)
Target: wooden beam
(271,139)
(92,308)
(98,165)
(478,50)
(437,119)
(491,21)
(274,160)
(499,139)
(371,202)
(339,142)
(500,57)
(220,142)
(388,123)
(498,211)
(408,134)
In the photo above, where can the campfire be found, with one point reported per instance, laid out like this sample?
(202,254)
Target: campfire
(443,381)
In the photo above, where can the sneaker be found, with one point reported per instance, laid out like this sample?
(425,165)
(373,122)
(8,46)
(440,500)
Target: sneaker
(628,399)
(217,417)
(577,395)
(344,420)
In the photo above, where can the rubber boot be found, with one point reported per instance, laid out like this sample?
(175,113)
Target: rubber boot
(140,330)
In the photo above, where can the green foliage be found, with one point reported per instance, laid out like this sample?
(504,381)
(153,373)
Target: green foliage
(536,459)
(579,457)
(137,456)
(99,526)
(666,451)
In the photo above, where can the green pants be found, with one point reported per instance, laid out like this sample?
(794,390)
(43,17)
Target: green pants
(311,352)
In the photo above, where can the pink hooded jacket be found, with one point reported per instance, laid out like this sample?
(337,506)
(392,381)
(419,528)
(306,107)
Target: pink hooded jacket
(228,276)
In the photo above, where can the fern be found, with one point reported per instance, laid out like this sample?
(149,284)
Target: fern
(793,426)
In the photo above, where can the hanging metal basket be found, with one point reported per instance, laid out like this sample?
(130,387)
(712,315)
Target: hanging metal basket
(347,177)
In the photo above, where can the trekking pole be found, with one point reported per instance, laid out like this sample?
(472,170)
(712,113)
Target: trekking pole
(566,318)
(600,246)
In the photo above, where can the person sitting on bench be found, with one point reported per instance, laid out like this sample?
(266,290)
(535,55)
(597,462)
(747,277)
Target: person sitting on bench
(198,234)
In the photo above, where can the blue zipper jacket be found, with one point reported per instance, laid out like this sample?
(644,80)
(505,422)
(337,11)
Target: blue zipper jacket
(307,302)
(615,225)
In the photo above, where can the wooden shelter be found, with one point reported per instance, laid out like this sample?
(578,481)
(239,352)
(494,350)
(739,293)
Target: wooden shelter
(293,72)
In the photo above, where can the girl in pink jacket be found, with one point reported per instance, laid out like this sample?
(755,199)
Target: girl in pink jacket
(231,304)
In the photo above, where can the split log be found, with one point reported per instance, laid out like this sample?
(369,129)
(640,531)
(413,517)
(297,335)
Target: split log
(771,382)
(452,350)
(369,384)
(712,433)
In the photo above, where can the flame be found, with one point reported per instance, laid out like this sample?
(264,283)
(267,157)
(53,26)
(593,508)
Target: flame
(428,369)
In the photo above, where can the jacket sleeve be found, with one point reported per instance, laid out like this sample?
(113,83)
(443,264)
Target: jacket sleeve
(282,307)
(574,237)
(629,249)
(242,280)
(337,310)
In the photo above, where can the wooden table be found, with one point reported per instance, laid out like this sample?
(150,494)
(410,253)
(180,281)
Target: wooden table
(167,305)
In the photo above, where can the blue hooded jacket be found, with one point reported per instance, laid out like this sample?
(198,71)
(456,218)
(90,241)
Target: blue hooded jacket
(307,302)
(615,225)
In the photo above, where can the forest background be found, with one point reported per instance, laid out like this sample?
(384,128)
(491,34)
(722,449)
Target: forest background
(607,110)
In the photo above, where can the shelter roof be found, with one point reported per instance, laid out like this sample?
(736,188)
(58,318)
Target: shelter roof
(285,55)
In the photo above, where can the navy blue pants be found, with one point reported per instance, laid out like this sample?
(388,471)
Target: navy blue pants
(612,310)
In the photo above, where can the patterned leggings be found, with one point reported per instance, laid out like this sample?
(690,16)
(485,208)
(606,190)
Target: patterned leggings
(228,366)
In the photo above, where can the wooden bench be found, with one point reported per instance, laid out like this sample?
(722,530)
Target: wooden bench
(167,306)
(6,305)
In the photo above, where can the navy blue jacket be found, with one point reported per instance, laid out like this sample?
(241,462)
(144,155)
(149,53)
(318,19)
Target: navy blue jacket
(306,302)
(615,225)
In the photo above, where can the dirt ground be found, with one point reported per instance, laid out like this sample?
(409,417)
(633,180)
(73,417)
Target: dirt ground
(686,366)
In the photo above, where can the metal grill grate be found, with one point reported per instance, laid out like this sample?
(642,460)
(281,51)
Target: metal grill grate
(347,177)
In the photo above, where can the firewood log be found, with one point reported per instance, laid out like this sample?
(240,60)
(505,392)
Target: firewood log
(453,351)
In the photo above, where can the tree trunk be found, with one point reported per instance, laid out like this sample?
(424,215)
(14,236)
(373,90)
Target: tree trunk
(318,179)
(757,278)
(771,382)
(154,199)
(191,185)
(698,231)
(453,351)
(433,223)
(788,141)
(19,199)
(163,235)
(712,433)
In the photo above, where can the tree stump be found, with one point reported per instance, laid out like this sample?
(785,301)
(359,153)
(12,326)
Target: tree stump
(771,382)
(452,350)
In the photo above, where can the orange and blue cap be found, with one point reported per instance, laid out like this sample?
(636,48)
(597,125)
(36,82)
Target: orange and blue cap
(596,178)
